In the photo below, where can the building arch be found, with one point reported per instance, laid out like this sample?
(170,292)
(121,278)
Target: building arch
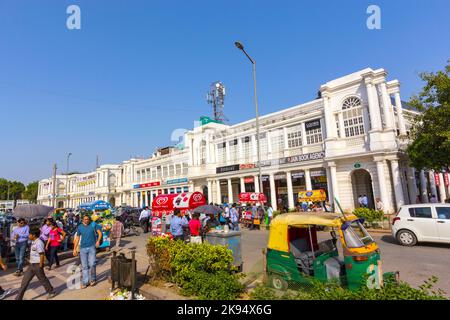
(362,184)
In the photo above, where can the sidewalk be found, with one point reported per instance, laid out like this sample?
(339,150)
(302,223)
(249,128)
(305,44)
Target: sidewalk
(64,281)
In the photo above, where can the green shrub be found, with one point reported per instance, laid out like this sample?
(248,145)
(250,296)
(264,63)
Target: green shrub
(369,215)
(216,286)
(203,270)
(332,291)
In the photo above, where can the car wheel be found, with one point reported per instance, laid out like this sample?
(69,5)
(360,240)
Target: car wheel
(406,238)
(277,282)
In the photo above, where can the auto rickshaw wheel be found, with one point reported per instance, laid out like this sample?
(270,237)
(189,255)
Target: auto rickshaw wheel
(277,282)
(406,238)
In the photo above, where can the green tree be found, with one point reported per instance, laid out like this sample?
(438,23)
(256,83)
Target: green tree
(15,189)
(31,191)
(430,146)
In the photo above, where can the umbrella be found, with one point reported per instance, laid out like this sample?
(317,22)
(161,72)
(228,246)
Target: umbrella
(208,209)
(30,211)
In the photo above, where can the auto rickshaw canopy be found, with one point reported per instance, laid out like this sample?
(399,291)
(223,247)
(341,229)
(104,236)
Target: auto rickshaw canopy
(278,237)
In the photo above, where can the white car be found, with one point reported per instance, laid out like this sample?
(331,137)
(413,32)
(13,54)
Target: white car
(428,222)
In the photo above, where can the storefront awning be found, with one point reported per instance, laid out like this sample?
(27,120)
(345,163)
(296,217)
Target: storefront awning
(167,203)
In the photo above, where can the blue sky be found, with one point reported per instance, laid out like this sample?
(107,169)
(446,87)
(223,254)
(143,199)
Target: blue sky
(137,70)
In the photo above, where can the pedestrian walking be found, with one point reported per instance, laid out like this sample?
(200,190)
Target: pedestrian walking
(45,232)
(36,268)
(365,201)
(88,237)
(144,219)
(433,199)
(3,293)
(176,225)
(20,235)
(55,239)
(234,217)
(117,232)
(195,228)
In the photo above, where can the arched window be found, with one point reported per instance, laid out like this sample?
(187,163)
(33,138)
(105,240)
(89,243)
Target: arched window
(352,112)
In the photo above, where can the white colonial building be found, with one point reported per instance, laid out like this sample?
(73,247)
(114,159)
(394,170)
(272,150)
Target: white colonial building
(350,141)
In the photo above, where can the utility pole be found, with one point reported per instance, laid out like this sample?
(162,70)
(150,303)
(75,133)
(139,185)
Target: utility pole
(67,179)
(54,186)
(96,163)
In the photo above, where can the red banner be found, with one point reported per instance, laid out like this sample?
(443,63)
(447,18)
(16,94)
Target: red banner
(436,179)
(150,184)
(446,179)
(249,180)
(249,197)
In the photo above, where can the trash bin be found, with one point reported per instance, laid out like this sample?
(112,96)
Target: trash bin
(232,239)
(123,272)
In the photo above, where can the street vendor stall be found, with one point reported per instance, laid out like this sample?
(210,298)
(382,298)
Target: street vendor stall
(248,199)
(100,212)
(312,196)
(163,206)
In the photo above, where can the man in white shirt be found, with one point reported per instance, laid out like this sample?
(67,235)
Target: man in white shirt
(144,219)
(270,214)
(234,217)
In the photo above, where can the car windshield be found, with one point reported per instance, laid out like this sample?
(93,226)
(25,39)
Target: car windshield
(356,235)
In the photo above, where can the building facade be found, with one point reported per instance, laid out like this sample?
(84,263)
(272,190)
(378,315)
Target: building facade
(350,141)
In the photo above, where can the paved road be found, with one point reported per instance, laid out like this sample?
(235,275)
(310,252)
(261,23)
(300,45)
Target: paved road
(415,264)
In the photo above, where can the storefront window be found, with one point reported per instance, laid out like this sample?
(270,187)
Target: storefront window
(178,169)
(185,189)
(185,168)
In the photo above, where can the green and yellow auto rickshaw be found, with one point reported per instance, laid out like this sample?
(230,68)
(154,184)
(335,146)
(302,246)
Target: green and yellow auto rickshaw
(295,256)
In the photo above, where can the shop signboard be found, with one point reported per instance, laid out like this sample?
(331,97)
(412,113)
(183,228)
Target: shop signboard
(317,173)
(294,159)
(247,166)
(249,180)
(313,124)
(234,167)
(298,175)
(146,185)
(175,181)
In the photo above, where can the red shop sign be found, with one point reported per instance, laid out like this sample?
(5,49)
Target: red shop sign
(249,180)
(446,179)
(436,179)
(247,166)
(150,184)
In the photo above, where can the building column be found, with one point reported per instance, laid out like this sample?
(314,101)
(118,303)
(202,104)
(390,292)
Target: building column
(442,192)
(273,193)
(256,181)
(382,185)
(304,139)
(219,192)
(242,184)
(401,119)
(341,125)
(412,185)
(400,200)
(386,106)
(308,180)
(330,124)
(334,183)
(374,108)
(329,187)
(230,191)
(433,188)
(210,198)
(423,187)
(290,190)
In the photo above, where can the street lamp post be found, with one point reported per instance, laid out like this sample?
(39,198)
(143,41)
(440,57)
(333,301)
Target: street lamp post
(67,178)
(241,47)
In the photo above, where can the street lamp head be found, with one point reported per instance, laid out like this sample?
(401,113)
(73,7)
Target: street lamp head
(239,45)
